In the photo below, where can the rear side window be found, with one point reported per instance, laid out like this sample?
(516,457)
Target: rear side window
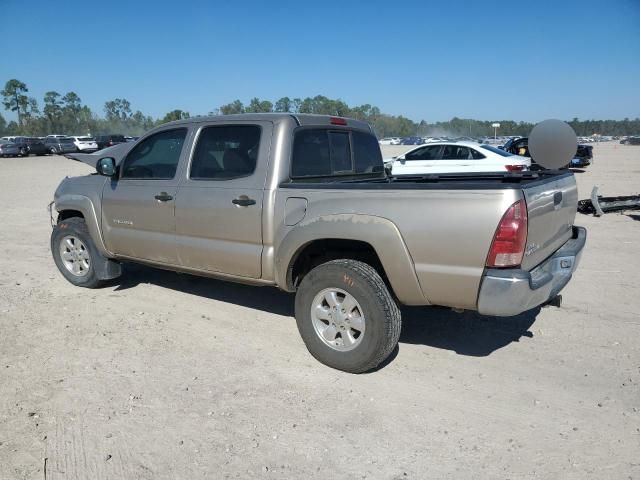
(225,152)
(322,152)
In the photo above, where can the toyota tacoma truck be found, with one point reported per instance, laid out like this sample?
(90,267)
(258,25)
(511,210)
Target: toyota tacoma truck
(302,203)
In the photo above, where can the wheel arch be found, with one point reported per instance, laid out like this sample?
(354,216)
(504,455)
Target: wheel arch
(373,240)
(69,206)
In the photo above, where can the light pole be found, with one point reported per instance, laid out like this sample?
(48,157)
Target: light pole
(495,126)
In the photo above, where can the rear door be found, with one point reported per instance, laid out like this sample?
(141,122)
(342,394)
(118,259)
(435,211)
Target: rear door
(138,209)
(219,202)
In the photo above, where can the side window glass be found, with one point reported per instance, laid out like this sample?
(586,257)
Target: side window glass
(311,154)
(425,153)
(156,157)
(340,152)
(476,155)
(366,153)
(225,152)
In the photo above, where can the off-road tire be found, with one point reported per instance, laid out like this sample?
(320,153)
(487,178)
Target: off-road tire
(382,315)
(77,227)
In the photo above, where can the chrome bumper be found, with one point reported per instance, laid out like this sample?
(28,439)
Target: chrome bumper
(508,292)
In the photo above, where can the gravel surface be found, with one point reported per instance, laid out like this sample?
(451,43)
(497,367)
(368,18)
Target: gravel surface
(161,375)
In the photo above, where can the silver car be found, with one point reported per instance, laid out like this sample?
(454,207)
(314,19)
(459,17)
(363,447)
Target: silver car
(9,149)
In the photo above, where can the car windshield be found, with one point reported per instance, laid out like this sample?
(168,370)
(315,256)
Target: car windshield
(500,152)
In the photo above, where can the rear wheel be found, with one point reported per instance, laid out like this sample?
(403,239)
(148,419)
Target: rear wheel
(346,316)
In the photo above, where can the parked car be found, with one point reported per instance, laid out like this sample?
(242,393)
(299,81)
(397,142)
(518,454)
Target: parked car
(389,141)
(105,141)
(412,141)
(56,136)
(131,139)
(8,148)
(30,145)
(453,157)
(520,146)
(319,217)
(57,145)
(85,144)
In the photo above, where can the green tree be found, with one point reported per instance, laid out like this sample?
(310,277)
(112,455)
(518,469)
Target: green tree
(3,125)
(283,105)
(118,109)
(14,98)
(53,109)
(175,115)
(258,106)
(230,108)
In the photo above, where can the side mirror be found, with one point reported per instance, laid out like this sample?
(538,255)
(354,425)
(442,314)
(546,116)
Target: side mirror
(106,166)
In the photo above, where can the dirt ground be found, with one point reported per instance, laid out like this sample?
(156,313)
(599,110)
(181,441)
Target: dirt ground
(163,375)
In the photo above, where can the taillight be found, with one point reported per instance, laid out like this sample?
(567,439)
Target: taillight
(510,238)
(514,168)
(337,121)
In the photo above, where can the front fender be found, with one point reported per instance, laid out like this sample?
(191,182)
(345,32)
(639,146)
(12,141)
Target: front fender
(380,233)
(84,205)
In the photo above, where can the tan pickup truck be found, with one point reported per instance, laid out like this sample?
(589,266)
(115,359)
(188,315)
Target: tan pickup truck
(302,202)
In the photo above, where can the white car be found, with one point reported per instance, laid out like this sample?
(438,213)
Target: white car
(56,136)
(456,157)
(389,141)
(85,144)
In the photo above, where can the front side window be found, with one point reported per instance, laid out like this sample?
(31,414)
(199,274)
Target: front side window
(225,152)
(156,157)
(425,153)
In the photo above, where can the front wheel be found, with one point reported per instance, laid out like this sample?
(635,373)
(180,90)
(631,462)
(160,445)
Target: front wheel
(74,252)
(52,150)
(346,316)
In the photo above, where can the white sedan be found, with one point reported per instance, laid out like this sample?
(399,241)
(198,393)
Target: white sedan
(456,157)
(389,141)
(85,144)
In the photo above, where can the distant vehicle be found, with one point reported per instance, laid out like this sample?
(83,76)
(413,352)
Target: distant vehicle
(85,144)
(456,157)
(7,139)
(8,148)
(632,140)
(412,141)
(57,145)
(56,136)
(30,145)
(389,141)
(131,139)
(105,141)
(520,146)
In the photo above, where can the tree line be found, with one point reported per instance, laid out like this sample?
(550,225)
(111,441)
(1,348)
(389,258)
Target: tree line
(65,113)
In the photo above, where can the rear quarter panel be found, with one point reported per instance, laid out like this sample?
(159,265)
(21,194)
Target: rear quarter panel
(446,235)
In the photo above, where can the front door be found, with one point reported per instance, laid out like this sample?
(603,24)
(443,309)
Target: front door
(138,208)
(219,202)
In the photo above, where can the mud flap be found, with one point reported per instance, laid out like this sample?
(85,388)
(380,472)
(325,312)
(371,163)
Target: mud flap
(106,269)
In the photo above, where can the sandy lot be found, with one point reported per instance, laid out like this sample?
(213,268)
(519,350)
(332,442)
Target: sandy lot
(169,376)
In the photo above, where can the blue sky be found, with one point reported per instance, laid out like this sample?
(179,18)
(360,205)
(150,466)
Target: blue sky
(426,60)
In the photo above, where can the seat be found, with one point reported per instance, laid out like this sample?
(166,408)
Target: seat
(236,163)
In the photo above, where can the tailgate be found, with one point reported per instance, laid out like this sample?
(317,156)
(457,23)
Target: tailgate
(552,209)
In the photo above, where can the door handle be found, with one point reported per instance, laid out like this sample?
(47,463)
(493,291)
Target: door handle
(163,197)
(243,201)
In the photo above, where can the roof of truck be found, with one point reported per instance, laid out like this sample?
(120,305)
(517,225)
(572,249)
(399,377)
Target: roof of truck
(300,118)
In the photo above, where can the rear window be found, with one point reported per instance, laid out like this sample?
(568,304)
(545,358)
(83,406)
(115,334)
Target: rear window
(499,151)
(85,139)
(66,140)
(118,138)
(322,152)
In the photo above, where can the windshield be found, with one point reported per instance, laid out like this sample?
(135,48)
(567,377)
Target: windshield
(500,152)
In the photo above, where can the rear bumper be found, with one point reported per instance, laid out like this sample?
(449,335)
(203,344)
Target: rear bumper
(508,292)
